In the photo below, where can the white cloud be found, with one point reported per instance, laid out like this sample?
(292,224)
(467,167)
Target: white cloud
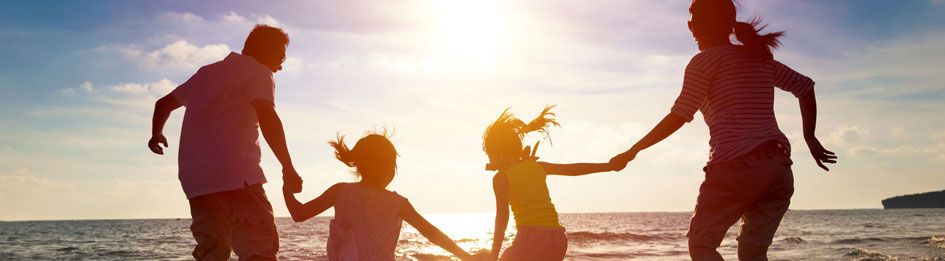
(161,87)
(847,135)
(179,54)
(184,54)
(86,87)
(234,18)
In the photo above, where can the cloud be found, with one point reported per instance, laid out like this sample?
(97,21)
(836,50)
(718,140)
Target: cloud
(161,87)
(180,54)
(234,18)
(847,135)
(86,87)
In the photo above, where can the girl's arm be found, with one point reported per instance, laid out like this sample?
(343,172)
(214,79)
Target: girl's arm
(669,125)
(409,214)
(575,169)
(301,212)
(500,185)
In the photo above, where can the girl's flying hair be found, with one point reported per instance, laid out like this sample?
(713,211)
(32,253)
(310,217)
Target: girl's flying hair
(373,152)
(504,136)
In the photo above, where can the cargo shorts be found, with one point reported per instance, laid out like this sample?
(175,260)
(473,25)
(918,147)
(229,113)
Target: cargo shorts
(240,221)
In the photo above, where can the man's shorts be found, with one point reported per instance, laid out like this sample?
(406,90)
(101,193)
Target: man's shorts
(238,220)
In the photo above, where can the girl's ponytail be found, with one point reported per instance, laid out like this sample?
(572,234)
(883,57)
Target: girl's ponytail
(541,123)
(342,153)
(746,33)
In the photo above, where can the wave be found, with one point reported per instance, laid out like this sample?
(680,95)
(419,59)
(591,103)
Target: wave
(587,236)
(866,255)
(930,240)
(859,240)
(793,240)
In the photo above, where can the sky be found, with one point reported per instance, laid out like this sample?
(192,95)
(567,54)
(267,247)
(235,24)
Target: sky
(79,80)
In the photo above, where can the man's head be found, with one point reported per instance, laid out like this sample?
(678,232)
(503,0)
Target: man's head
(267,45)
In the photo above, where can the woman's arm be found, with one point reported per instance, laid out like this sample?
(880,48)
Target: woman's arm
(500,185)
(808,104)
(301,212)
(575,169)
(669,125)
(409,214)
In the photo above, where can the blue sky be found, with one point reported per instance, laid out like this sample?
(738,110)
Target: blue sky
(79,80)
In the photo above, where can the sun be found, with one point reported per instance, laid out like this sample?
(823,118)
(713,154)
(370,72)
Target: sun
(470,30)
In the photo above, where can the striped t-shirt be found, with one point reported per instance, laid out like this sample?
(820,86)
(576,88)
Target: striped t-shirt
(734,89)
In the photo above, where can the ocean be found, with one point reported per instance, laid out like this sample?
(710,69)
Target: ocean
(866,234)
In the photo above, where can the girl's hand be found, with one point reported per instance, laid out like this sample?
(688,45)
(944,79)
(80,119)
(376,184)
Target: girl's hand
(620,161)
(820,154)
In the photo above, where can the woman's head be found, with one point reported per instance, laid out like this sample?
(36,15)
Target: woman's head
(373,157)
(502,140)
(714,21)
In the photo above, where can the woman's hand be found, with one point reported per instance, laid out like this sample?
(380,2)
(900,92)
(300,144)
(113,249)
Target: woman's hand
(820,154)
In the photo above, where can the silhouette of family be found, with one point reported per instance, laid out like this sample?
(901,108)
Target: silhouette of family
(748,175)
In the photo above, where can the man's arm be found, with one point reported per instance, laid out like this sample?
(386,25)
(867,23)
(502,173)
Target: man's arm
(271,127)
(808,104)
(669,125)
(162,110)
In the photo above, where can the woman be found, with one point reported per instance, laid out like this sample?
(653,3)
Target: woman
(748,175)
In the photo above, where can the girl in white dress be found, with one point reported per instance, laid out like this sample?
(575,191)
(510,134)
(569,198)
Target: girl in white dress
(368,217)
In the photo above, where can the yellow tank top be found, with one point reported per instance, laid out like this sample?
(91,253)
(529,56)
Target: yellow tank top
(528,195)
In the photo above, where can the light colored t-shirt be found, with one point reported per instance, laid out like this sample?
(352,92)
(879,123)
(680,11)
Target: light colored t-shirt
(529,197)
(734,90)
(219,143)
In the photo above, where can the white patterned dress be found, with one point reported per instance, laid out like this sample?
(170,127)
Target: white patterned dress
(366,225)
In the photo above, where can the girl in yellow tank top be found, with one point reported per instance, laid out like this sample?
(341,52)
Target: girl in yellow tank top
(520,184)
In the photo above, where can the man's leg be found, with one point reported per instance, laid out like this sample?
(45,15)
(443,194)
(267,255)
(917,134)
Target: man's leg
(762,219)
(210,227)
(254,234)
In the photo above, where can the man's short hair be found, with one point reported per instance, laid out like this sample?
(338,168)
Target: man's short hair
(263,39)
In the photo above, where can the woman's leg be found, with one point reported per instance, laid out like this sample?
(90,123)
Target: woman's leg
(763,218)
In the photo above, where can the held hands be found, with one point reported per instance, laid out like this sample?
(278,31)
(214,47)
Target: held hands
(155,144)
(620,161)
(820,154)
(291,181)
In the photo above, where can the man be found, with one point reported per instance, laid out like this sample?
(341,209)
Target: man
(218,163)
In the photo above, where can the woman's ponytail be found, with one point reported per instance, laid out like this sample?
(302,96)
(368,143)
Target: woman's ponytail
(747,33)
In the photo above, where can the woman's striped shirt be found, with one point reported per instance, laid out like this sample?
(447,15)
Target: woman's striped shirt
(734,90)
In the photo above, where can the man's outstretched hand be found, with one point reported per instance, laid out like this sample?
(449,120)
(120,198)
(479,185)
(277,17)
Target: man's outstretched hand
(291,181)
(155,144)
(820,154)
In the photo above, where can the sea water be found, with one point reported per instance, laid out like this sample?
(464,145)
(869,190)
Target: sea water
(868,234)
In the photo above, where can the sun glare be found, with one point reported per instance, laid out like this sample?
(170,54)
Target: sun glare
(470,31)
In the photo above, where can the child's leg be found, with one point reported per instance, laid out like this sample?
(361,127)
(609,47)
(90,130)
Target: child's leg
(537,243)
